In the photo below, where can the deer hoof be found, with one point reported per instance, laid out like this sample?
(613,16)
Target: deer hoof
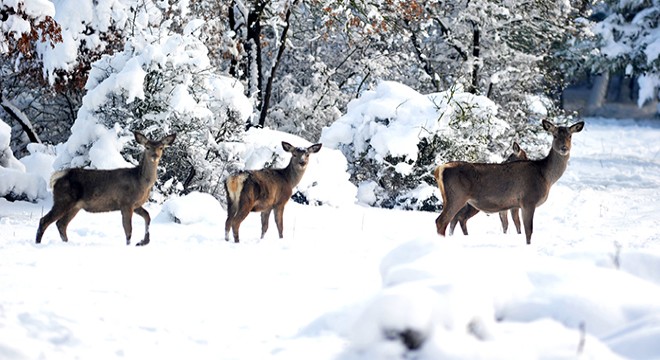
(144,241)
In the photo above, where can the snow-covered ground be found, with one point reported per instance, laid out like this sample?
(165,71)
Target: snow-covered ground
(349,282)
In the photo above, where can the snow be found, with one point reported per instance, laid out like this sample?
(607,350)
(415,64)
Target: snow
(36,8)
(193,208)
(349,281)
(17,179)
(648,88)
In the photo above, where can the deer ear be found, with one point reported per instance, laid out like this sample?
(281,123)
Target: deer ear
(141,139)
(548,126)
(168,140)
(314,148)
(577,127)
(516,147)
(287,147)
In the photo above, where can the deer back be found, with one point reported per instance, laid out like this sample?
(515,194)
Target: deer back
(268,188)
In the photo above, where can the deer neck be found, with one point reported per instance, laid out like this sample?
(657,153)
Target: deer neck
(293,174)
(147,170)
(554,166)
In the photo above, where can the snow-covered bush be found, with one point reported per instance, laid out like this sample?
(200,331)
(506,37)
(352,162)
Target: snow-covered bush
(15,182)
(394,136)
(159,85)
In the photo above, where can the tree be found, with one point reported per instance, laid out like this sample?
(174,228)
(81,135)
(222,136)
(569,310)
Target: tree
(23,24)
(628,40)
(159,85)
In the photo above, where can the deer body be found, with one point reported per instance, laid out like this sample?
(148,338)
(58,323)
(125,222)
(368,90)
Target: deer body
(469,211)
(264,190)
(492,188)
(97,191)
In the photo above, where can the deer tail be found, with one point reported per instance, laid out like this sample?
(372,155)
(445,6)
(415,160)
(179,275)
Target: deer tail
(437,173)
(56,176)
(234,187)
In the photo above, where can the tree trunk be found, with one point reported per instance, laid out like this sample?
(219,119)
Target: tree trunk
(474,83)
(269,86)
(22,119)
(428,68)
(234,65)
(253,50)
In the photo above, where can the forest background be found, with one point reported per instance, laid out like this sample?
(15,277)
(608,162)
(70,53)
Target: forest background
(210,70)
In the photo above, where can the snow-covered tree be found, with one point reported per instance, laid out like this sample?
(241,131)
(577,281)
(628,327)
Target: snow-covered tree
(393,137)
(47,83)
(25,22)
(629,41)
(502,50)
(160,84)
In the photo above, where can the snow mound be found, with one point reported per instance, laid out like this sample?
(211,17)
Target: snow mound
(16,183)
(190,209)
(450,297)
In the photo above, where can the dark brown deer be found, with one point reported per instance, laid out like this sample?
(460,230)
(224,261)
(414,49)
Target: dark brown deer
(264,190)
(469,211)
(96,191)
(492,188)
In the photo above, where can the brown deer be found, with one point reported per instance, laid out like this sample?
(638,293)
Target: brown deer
(469,211)
(492,188)
(264,190)
(96,191)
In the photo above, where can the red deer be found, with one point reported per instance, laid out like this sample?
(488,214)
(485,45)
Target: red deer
(469,211)
(492,188)
(264,190)
(97,191)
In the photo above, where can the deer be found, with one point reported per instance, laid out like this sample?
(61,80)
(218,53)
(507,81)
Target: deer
(469,211)
(523,184)
(96,191)
(265,190)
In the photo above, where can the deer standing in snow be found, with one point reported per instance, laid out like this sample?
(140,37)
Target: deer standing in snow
(469,211)
(96,191)
(492,188)
(265,190)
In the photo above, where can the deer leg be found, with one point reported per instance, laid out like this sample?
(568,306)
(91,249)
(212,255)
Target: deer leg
(237,220)
(452,225)
(64,221)
(231,213)
(126,217)
(264,221)
(463,223)
(449,210)
(54,214)
(147,220)
(228,223)
(279,219)
(528,221)
(467,212)
(505,221)
(516,218)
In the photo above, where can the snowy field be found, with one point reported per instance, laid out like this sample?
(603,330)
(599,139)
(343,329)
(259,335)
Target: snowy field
(349,282)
